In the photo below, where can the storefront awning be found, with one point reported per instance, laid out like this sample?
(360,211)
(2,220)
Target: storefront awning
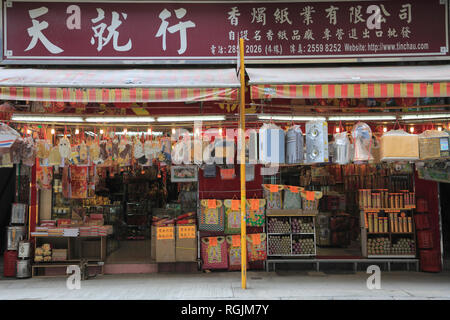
(350,82)
(118,85)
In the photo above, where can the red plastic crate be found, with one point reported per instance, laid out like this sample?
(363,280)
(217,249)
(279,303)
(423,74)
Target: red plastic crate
(425,239)
(430,261)
(9,263)
(422,221)
(422,205)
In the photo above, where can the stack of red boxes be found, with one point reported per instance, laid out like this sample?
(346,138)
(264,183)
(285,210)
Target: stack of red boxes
(429,257)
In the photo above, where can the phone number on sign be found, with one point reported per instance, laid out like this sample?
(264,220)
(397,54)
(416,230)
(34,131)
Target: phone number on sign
(336,47)
(277,49)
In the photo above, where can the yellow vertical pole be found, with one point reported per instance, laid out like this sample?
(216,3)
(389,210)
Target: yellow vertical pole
(243,193)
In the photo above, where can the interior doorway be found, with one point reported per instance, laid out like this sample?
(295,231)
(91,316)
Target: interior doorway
(444,196)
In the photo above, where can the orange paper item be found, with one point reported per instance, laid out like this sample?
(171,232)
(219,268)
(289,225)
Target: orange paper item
(273,188)
(212,204)
(235,205)
(213,242)
(310,195)
(165,233)
(293,189)
(256,238)
(186,232)
(254,204)
(236,240)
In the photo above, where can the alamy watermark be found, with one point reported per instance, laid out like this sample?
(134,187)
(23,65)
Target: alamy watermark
(74,280)
(374,280)
(217,146)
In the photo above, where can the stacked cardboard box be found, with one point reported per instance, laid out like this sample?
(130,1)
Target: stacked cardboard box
(186,243)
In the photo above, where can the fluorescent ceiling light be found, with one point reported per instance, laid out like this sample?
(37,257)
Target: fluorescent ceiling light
(119,119)
(39,118)
(190,118)
(90,133)
(135,133)
(290,118)
(425,116)
(368,118)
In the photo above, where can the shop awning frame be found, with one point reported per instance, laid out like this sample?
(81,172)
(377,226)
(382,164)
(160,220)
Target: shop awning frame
(350,82)
(118,85)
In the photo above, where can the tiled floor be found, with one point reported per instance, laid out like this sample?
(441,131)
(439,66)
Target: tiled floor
(227,285)
(132,251)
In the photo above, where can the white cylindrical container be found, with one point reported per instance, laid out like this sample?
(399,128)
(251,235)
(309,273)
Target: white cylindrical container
(23,269)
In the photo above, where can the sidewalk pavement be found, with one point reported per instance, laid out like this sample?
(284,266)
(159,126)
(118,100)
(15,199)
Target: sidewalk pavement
(396,285)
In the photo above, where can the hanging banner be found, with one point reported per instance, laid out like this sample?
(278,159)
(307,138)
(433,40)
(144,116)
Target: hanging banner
(115,32)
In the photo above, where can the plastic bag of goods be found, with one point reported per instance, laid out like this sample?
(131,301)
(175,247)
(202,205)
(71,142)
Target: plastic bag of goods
(271,144)
(362,136)
(273,197)
(256,247)
(234,252)
(433,144)
(341,147)
(7,137)
(255,212)
(232,217)
(316,142)
(211,215)
(375,150)
(214,253)
(292,198)
(399,145)
(294,145)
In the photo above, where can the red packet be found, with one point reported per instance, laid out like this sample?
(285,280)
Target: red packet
(254,204)
(236,240)
(273,188)
(212,203)
(213,242)
(235,205)
(256,238)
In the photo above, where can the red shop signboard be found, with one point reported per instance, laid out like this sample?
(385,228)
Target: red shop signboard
(67,32)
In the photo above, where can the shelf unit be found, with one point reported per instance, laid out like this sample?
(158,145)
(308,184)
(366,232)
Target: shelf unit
(91,249)
(137,217)
(392,235)
(292,235)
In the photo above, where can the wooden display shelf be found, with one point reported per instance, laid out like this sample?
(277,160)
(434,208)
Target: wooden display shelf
(288,233)
(292,255)
(365,234)
(387,209)
(403,233)
(378,233)
(60,264)
(291,234)
(91,249)
(391,256)
(291,213)
(44,236)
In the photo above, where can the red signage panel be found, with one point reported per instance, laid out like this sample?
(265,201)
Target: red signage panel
(63,32)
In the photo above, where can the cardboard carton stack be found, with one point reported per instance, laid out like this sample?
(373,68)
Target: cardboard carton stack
(174,239)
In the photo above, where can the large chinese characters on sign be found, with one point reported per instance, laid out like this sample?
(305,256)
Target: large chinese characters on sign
(71,32)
